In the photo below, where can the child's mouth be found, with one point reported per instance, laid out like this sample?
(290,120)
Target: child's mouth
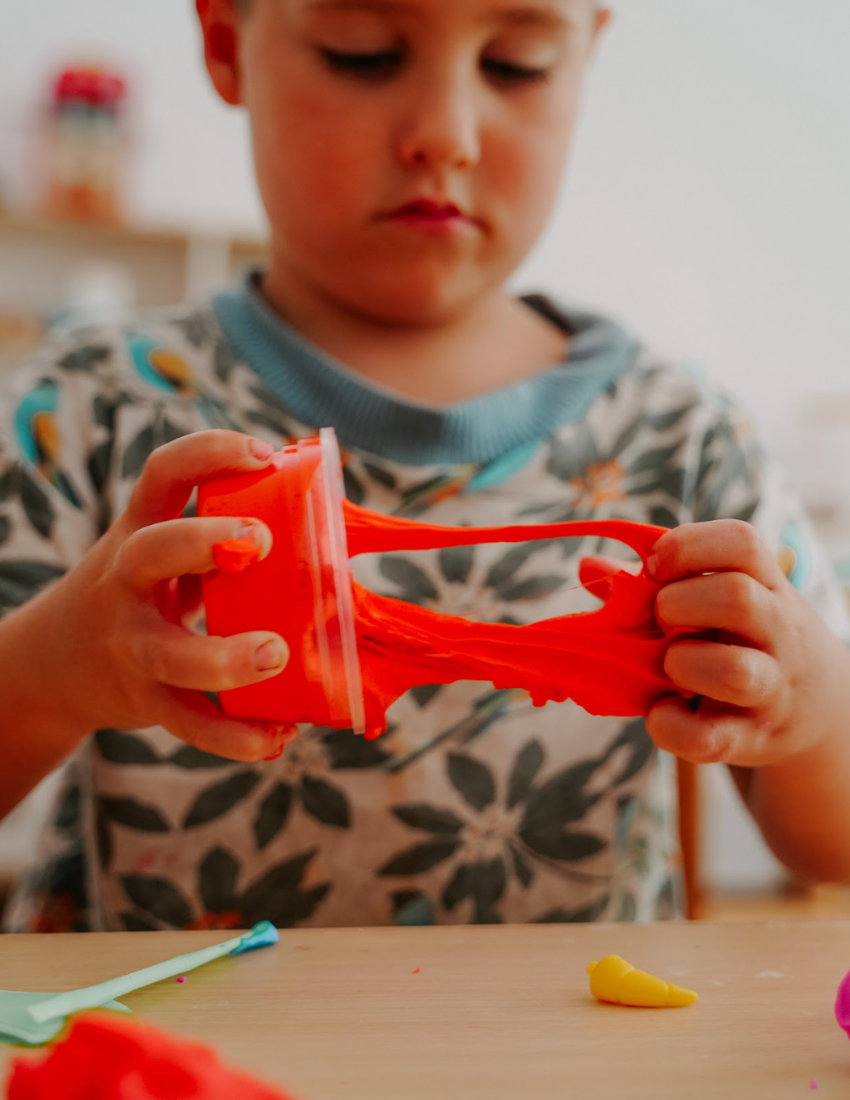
(430,215)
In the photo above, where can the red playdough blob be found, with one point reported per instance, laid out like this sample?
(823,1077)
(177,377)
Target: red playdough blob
(610,661)
(107,1058)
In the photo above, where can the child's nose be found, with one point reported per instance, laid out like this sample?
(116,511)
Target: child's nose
(440,127)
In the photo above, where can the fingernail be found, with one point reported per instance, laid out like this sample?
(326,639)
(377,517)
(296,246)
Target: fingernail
(258,533)
(286,734)
(260,449)
(652,565)
(271,654)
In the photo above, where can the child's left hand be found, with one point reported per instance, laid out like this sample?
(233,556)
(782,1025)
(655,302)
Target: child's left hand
(765,664)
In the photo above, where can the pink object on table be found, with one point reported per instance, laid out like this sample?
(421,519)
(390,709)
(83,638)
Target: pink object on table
(842,1005)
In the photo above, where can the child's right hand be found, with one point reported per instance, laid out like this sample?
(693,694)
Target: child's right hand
(120,654)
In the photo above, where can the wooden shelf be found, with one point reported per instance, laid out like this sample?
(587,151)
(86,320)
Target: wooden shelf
(93,232)
(40,258)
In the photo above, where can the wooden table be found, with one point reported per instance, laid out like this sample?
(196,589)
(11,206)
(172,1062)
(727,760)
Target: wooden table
(495,1013)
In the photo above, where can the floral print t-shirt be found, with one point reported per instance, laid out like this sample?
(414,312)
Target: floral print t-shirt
(475,806)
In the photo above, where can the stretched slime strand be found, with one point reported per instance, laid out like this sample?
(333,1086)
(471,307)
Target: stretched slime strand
(609,661)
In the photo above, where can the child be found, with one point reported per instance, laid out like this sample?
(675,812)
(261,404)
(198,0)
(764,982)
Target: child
(408,155)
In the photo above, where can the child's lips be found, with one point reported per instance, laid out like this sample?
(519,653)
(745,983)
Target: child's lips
(430,215)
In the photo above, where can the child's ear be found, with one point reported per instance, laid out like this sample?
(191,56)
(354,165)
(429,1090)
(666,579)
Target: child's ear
(601,20)
(220,25)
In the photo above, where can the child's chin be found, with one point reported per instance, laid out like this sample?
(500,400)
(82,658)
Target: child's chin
(417,302)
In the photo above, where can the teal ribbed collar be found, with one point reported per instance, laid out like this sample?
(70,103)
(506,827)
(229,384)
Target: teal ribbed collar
(321,391)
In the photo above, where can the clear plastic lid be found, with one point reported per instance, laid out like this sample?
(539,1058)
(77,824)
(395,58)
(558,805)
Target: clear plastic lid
(334,604)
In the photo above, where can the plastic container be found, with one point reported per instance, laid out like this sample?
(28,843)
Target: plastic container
(302,590)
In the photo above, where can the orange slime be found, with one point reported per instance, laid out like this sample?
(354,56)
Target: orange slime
(609,661)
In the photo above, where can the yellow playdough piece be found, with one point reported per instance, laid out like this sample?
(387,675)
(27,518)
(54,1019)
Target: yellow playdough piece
(618,982)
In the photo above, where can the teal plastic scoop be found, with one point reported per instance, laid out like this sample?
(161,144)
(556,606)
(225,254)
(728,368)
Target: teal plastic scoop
(32,1019)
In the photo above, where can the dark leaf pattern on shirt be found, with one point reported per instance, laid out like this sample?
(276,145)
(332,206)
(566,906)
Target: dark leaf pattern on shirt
(191,758)
(220,798)
(20,580)
(472,779)
(483,883)
(85,358)
(36,505)
(528,763)
(217,877)
(429,818)
(272,814)
(152,436)
(134,815)
(456,563)
(280,895)
(325,802)
(349,751)
(103,836)
(122,747)
(67,814)
(135,922)
(160,898)
(586,914)
(414,584)
(420,857)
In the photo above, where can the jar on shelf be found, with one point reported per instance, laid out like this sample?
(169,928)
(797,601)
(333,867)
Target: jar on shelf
(85,146)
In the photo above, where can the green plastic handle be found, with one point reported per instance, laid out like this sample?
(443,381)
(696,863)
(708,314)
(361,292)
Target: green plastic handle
(64,1004)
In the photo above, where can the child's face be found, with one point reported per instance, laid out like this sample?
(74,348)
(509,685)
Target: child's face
(408,152)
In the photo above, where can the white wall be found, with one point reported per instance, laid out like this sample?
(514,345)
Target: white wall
(708,201)
(707,204)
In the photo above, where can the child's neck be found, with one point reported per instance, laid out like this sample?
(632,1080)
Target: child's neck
(496,343)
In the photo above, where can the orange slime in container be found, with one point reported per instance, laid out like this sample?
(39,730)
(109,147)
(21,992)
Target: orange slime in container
(359,651)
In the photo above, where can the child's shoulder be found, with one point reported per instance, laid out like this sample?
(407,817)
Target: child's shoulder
(630,380)
(652,394)
(669,390)
(156,346)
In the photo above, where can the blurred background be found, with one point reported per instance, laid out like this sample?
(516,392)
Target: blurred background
(706,207)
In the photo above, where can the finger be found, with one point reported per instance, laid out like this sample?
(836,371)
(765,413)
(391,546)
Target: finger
(707,737)
(732,602)
(732,674)
(196,719)
(725,545)
(175,547)
(178,658)
(173,470)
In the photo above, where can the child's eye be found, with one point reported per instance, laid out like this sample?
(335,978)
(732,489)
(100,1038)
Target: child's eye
(507,72)
(383,63)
